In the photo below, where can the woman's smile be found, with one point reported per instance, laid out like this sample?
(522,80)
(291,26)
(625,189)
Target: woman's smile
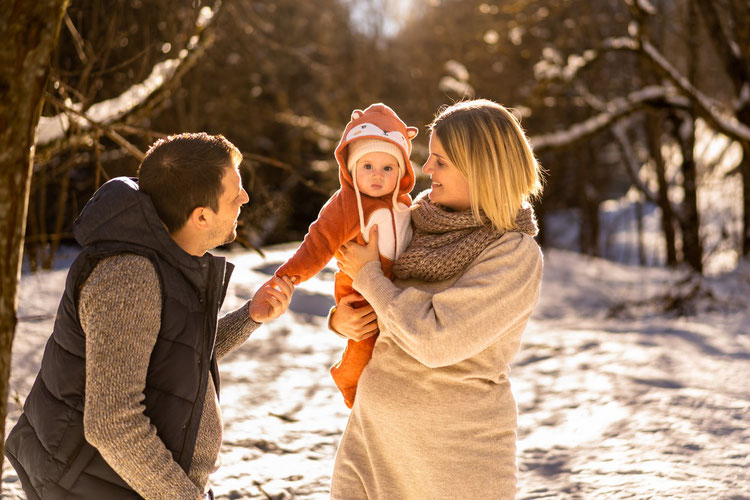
(452,191)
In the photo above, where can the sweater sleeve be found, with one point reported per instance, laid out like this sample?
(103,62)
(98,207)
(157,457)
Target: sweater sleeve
(495,295)
(234,329)
(337,223)
(120,311)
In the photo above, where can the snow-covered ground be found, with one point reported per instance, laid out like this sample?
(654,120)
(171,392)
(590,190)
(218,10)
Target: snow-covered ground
(617,398)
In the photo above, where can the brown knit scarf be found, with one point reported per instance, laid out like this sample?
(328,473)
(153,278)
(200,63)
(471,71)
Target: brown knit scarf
(446,242)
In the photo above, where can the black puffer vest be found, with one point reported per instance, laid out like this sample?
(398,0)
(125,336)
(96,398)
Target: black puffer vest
(47,446)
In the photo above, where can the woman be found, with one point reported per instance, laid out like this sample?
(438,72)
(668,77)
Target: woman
(434,415)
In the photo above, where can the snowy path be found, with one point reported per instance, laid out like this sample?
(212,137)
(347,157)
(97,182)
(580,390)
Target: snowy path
(626,405)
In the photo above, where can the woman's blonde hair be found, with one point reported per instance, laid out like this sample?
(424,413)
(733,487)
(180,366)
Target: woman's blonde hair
(488,146)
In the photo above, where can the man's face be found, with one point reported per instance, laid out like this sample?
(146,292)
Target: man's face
(233,196)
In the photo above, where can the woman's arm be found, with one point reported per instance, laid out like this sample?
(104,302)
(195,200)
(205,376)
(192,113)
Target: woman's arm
(495,295)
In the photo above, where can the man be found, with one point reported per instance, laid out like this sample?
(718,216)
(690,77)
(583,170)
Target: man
(126,401)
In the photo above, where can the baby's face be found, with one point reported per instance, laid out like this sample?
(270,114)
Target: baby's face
(377,174)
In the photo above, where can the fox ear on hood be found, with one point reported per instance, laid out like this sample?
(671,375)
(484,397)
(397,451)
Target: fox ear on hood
(412,132)
(357,113)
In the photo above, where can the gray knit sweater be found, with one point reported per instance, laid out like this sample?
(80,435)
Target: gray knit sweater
(120,312)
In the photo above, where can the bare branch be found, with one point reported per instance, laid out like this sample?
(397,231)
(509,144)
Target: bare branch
(615,110)
(293,172)
(307,122)
(77,39)
(721,119)
(726,48)
(163,76)
(105,129)
(631,163)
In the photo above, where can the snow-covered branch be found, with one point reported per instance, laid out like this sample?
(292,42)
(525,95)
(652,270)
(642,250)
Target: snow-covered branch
(724,120)
(614,110)
(721,119)
(163,74)
(552,66)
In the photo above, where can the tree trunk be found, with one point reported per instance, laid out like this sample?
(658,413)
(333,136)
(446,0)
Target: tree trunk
(692,250)
(731,47)
(589,206)
(684,131)
(744,116)
(29,32)
(638,206)
(653,134)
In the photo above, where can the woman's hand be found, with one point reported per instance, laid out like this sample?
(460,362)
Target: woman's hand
(354,255)
(354,323)
(272,299)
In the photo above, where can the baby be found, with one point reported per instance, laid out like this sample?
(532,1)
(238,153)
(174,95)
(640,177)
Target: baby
(376,178)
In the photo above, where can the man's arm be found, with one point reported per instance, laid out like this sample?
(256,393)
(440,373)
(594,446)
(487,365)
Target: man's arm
(120,311)
(270,301)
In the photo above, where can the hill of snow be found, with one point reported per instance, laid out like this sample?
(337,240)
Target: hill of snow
(619,395)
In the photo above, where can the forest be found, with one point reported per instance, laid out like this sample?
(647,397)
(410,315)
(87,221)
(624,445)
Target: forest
(621,98)
(638,111)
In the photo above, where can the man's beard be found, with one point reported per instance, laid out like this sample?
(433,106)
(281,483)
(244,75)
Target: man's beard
(216,241)
(230,237)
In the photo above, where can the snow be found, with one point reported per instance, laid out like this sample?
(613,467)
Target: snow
(617,398)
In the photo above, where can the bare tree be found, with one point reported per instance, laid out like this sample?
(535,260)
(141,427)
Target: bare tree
(669,80)
(29,31)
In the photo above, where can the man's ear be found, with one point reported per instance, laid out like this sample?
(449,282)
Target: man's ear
(199,217)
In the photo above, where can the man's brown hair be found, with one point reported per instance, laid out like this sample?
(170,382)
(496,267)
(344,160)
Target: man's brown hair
(184,172)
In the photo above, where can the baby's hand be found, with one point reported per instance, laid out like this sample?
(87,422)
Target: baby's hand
(272,299)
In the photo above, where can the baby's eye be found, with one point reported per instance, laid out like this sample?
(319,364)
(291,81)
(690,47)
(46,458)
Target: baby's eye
(367,166)
(388,168)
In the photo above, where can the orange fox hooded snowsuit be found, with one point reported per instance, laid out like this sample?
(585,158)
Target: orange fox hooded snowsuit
(349,215)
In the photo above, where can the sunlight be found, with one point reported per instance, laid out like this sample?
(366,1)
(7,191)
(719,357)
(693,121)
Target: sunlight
(585,424)
(386,17)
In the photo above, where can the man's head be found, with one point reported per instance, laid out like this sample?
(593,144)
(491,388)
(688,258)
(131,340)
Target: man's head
(194,183)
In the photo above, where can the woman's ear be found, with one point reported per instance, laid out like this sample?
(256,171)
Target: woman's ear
(412,132)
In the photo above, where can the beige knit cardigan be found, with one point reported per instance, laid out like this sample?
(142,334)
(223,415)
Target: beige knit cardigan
(434,416)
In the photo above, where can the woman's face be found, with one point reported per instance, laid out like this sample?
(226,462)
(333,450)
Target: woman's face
(449,186)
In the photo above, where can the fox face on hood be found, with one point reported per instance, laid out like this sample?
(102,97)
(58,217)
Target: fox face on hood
(378,121)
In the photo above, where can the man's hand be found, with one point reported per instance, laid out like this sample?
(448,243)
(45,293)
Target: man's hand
(354,256)
(356,324)
(272,299)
